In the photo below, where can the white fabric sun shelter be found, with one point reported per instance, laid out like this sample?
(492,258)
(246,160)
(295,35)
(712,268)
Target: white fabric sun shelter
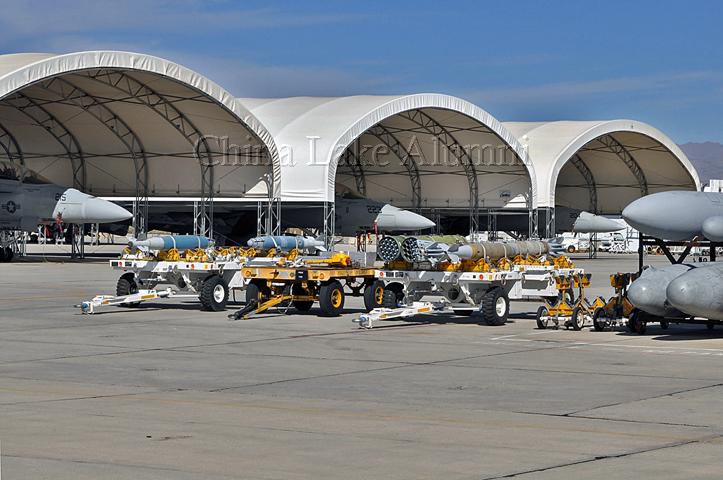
(102,119)
(314,133)
(602,165)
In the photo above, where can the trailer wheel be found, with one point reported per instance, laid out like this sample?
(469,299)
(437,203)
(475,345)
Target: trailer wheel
(542,312)
(374,295)
(495,306)
(127,285)
(577,321)
(9,254)
(257,292)
(301,305)
(214,294)
(571,249)
(331,299)
(599,319)
(664,324)
(393,296)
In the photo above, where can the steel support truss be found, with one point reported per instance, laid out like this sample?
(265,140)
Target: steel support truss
(619,149)
(268,217)
(10,145)
(587,175)
(140,93)
(351,158)
(39,115)
(443,135)
(329,224)
(73,95)
(407,159)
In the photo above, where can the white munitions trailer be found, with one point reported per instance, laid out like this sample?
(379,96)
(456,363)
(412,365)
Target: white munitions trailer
(466,292)
(210,281)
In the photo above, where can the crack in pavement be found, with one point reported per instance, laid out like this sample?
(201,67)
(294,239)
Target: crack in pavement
(605,457)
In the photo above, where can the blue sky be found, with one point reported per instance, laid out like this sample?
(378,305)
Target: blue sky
(656,61)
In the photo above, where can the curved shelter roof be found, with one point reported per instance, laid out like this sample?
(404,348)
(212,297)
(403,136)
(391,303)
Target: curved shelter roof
(384,141)
(602,165)
(120,124)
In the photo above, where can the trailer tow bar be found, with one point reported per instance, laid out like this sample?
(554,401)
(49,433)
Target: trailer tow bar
(366,320)
(88,307)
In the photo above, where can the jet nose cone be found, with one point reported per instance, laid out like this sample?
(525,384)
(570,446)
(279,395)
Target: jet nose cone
(97,210)
(641,214)
(698,292)
(666,215)
(78,207)
(647,295)
(396,219)
(587,222)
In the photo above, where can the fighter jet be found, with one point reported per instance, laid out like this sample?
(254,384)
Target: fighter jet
(27,199)
(355,214)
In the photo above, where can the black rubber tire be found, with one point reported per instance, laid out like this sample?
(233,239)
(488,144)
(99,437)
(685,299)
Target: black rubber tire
(212,285)
(637,323)
(577,321)
(393,297)
(256,292)
(489,306)
(3,256)
(329,302)
(9,254)
(463,312)
(541,312)
(597,324)
(570,249)
(127,285)
(373,295)
(301,305)
(664,324)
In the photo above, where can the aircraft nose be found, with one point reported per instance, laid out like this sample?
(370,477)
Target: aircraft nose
(647,295)
(393,218)
(78,207)
(642,214)
(97,210)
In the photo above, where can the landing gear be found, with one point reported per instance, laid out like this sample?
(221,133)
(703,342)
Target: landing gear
(638,322)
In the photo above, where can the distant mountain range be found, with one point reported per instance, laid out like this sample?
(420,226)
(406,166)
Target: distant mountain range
(707,158)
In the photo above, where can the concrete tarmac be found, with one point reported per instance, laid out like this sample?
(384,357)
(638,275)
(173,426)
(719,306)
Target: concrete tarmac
(169,392)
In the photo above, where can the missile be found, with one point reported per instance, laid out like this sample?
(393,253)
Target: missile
(648,292)
(699,291)
(167,242)
(496,250)
(678,215)
(285,243)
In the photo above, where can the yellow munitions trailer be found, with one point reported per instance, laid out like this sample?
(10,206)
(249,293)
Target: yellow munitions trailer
(325,281)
